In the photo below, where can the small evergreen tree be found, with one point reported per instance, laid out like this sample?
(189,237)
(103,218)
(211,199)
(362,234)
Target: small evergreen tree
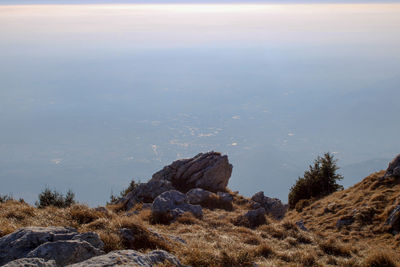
(319,181)
(124,192)
(54,198)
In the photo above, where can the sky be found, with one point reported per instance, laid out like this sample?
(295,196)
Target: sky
(95,95)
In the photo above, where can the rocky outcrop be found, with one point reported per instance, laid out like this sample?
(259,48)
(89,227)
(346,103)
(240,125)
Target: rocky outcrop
(197,196)
(31,262)
(210,171)
(65,252)
(145,192)
(130,258)
(394,167)
(252,218)
(46,242)
(273,206)
(171,204)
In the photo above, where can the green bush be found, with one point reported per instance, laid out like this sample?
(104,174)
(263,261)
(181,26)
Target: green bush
(319,181)
(54,198)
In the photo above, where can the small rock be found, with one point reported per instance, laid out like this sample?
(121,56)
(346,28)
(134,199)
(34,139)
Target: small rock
(344,222)
(252,218)
(394,219)
(197,196)
(393,168)
(301,225)
(171,204)
(273,206)
(130,258)
(145,192)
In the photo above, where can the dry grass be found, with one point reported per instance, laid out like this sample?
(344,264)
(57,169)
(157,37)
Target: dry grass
(215,240)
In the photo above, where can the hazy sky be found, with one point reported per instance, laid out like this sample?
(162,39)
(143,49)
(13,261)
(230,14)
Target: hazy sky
(94,95)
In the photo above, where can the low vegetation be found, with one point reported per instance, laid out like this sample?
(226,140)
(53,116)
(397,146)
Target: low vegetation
(319,181)
(53,198)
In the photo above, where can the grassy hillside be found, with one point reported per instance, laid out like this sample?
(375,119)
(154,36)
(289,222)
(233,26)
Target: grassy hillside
(215,240)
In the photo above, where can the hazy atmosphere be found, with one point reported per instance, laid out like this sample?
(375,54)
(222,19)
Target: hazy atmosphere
(93,95)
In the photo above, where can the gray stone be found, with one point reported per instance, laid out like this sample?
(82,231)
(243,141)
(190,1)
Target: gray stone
(273,206)
(20,243)
(225,197)
(344,222)
(145,192)
(171,204)
(65,252)
(31,262)
(197,196)
(210,171)
(252,218)
(130,258)
(394,167)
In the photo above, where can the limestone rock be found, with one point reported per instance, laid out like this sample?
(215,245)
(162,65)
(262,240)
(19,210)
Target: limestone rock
(20,243)
(197,196)
(31,262)
(146,192)
(130,258)
(394,167)
(210,171)
(171,204)
(273,206)
(65,252)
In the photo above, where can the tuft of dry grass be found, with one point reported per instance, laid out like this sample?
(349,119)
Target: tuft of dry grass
(380,258)
(335,247)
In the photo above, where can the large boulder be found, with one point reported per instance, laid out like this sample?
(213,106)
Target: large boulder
(21,243)
(273,206)
(65,252)
(210,171)
(197,196)
(171,204)
(394,167)
(145,192)
(130,258)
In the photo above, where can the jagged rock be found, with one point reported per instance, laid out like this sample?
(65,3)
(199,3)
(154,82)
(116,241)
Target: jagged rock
(394,167)
(20,243)
(130,258)
(31,262)
(145,192)
(301,225)
(65,252)
(252,218)
(210,171)
(171,204)
(225,197)
(272,206)
(394,219)
(197,196)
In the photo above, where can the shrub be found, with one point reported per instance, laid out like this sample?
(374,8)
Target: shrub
(5,198)
(54,198)
(319,181)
